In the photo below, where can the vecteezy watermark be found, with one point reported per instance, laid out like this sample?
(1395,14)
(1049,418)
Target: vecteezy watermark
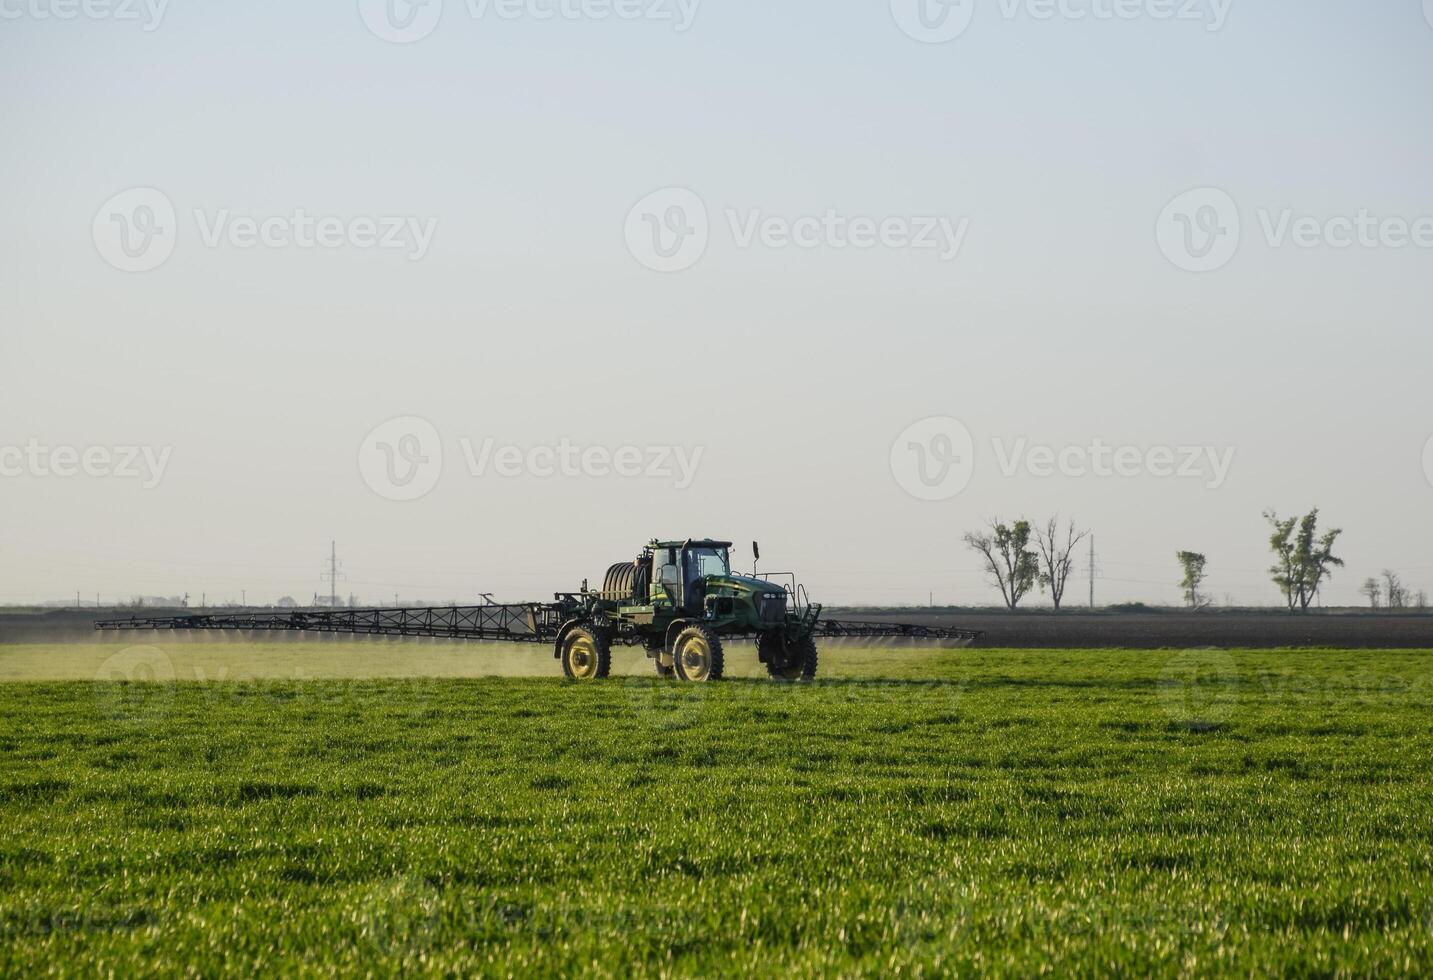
(1200,230)
(135,685)
(934,459)
(1198,689)
(406,21)
(940,21)
(398,916)
(299,229)
(668,231)
(35,459)
(400,21)
(402,459)
(677,464)
(137,230)
(1428,11)
(933,21)
(834,230)
(147,13)
(1208,463)
(1428,448)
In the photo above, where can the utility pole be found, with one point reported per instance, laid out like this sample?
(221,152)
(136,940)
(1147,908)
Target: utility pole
(332,575)
(77,600)
(243,597)
(1092,572)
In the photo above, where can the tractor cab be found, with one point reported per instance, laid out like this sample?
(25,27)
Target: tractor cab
(681,569)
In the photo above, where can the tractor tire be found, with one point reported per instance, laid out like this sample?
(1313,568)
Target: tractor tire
(586,654)
(697,655)
(795,661)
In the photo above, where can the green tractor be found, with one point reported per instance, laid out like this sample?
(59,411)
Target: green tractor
(680,600)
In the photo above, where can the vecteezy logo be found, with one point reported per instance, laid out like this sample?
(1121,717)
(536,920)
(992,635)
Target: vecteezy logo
(1199,688)
(400,21)
(1198,231)
(934,458)
(135,230)
(401,915)
(668,230)
(1428,454)
(136,685)
(402,459)
(933,21)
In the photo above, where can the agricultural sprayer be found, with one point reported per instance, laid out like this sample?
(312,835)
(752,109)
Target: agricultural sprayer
(678,599)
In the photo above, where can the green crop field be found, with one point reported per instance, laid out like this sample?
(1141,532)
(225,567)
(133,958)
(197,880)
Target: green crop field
(914,812)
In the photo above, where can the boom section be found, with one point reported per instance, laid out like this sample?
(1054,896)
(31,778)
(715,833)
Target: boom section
(833,627)
(517,623)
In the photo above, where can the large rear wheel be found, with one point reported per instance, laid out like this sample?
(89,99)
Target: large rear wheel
(586,655)
(697,655)
(793,660)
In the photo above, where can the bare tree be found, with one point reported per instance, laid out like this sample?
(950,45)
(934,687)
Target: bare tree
(1009,562)
(1393,588)
(1193,564)
(1055,551)
(1373,590)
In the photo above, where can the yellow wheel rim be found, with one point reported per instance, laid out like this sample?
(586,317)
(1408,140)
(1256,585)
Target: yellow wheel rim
(582,657)
(696,659)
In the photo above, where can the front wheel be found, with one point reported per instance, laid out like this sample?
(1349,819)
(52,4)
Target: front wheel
(585,654)
(793,660)
(697,655)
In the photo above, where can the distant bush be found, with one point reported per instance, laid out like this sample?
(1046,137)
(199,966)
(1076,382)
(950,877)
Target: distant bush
(1135,607)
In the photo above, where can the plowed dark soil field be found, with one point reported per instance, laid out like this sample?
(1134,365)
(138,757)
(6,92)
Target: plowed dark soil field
(1161,630)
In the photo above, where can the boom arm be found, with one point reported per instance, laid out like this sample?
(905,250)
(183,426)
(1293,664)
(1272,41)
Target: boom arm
(533,622)
(517,623)
(831,627)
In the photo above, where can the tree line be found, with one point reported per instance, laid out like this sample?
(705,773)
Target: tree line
(1391,590)
(1019,557)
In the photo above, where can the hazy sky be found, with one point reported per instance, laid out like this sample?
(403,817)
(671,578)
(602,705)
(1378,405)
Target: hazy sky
(468,228)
